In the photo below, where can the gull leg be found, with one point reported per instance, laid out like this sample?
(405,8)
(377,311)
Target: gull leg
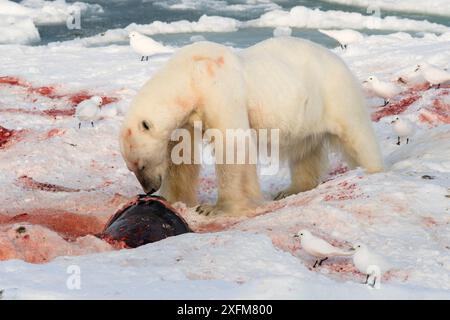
(320,262)
(146,58)
(92,124)
(315,263)
(345,46)
(367,279)
(386,102)
(374,282)
(142,59)
(407,140)
(79,125)
(438,86)
(398,141)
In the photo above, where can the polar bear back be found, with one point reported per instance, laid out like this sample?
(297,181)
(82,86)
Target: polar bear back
(296,82)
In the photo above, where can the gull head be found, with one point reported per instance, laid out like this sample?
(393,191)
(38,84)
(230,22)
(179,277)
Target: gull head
(134,34)
(371,79)
(97,100)
(302,234)
(359,246)
(421,66)
(395,120)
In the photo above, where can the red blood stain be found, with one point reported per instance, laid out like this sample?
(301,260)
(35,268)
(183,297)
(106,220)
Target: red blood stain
(419,87)
(44,91)
(426,117)
(9,136)
(394,108)
(69,225)
(79,97)
(346,191)
(5,136)
(50,92)
(442,110)
(108,100)
(340,169)
(30,183)
(59,112)
(116,244)
(438,112)
(12,81)
(429,222)
(55,132)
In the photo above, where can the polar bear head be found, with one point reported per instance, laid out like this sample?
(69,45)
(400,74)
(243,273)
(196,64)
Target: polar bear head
(144,151)
(161,106)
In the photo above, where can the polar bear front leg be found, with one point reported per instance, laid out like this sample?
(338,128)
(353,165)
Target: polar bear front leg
(238,191)
(180,184)
(305,172)
(181,180)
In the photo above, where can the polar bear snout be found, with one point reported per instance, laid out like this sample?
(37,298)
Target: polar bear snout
(150,184)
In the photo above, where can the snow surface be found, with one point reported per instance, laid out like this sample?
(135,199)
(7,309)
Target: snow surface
(303,17)
(435,7)
(217,5)
(17,29)
(298,17)
(18,21)
(60,185)
(57,12)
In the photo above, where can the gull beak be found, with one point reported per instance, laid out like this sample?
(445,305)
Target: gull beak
(296,236)
(352,249)
(365,81)
(417,69)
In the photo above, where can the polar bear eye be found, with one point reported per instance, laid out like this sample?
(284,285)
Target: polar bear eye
(145,125)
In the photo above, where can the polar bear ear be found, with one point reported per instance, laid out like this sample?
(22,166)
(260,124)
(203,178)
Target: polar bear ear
(145,125)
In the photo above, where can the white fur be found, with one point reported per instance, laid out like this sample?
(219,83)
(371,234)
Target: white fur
(290,84)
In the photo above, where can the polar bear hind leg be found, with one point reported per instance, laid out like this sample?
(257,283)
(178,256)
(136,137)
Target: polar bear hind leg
(306,168)
(357,139)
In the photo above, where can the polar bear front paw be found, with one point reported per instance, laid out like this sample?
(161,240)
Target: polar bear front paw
(208,210)
(285,193)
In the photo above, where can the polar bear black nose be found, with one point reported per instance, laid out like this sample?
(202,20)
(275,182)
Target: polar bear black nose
(150,184)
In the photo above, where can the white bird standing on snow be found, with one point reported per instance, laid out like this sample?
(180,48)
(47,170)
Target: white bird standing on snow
(146,46)
(344,37)
(369,263)
(89,110)
(432,74)
(385,90)
(318,247)
(403,128)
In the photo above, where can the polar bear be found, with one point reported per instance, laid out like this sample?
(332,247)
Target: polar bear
(290,84)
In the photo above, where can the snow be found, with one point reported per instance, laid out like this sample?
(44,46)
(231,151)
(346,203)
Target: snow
(18,21)
(62,184)
(57,12)
(297,17)
(217,5)
(204,24)
(47,12)
(17,29)
(435,7)
(303,17)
